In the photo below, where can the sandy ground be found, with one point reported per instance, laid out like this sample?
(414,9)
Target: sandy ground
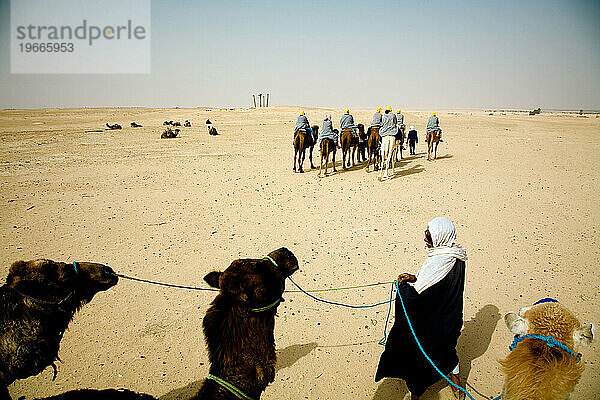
(522,191)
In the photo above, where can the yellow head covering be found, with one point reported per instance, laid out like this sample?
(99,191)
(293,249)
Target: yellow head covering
(378,109)
(399,111)
(388,108)
(346,111)
(301,112)
(433,114)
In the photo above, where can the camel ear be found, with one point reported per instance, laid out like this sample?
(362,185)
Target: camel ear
(16,273)
(213,279)
(516,324)
(584,336)
(524,310)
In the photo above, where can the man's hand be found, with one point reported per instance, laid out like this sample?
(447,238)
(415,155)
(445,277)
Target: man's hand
(406,277)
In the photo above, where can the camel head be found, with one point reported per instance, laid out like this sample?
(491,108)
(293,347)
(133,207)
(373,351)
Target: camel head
(52,282)
(551,319)
(255,283)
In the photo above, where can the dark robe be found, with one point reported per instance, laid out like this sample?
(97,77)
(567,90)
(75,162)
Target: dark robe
(437,317)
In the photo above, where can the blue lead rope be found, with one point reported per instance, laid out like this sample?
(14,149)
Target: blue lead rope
(421,347)
(550,341)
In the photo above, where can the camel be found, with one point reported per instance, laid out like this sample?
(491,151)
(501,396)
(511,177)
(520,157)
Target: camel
(539,368)
(315,137)
(349,144)
(37,303)
(433,139)
(373,146)
(187,124)
(362,143)
(212,130)
(135,125)
(302,141)
(239,325)
(327,146)
(398,144)
(176,124)
(113,127)
(169,133)
(387,157)
(168,123)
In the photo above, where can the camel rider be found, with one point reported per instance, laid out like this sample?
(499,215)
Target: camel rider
(376,118)
(327,131)
(302,123)
(433,125)
(388,123)
(347,122)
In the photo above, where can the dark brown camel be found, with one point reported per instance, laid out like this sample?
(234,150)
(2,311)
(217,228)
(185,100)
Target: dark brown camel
(239,325)
(373,146)
(113,127)
(169,133)
(327,146)
(37,303)
(362,143)
(349,143)
(315,137)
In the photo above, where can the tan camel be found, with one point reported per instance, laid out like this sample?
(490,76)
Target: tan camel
(349,144)
(433,138)
(539,368)
(327,146)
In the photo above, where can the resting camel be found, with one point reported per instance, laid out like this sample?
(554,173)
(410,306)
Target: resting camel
(362,143)
(168,123)
(135,125)
(113,127)
(373,146)
(212,130)
(349,143)
(539,368)
(433,139)
(327,146)
(169,133)
(187,124)
(176,124)
(239,325)
(37,303)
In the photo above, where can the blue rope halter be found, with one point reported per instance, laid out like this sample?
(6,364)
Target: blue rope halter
(550,341)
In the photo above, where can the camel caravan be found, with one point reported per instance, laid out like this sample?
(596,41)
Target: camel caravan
(380,146)
(41,297)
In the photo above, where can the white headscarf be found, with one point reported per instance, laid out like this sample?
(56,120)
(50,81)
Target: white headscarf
(442,256)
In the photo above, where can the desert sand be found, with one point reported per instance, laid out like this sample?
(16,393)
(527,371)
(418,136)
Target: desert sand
(522,191)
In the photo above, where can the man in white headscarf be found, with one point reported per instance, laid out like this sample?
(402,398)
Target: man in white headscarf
(434,304)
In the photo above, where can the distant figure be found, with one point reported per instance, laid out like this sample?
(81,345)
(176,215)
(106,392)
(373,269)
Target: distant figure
(347,122)
(434,303)
(135,125)
(187,124)
(433,125)
(113,127)
(302,123)
(412,139)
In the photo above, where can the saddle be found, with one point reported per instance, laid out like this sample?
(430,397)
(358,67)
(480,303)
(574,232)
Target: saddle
(352,131)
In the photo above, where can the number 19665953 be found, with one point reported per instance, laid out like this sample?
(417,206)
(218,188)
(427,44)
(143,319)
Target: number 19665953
(46,47)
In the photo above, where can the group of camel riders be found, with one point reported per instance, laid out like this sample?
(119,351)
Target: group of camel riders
(388,124)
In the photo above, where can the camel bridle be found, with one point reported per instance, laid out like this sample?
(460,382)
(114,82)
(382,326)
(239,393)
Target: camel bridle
(40,304)
(276,302)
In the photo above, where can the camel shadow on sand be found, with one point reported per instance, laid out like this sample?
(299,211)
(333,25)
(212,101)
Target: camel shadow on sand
(285,358)
(473,342)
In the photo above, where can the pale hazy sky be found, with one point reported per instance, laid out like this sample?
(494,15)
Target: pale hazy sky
(411,54)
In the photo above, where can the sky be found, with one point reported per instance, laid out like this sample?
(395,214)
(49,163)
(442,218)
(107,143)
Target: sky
(519,54)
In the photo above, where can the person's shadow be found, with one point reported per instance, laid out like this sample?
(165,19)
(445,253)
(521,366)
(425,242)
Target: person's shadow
(475,338)
(473,342)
